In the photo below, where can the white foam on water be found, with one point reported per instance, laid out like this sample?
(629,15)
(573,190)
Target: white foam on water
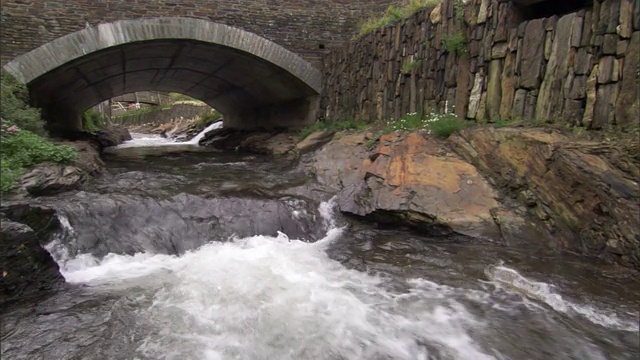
(146,140)
(152,140)
(266,297)
(546,294)
(201,134)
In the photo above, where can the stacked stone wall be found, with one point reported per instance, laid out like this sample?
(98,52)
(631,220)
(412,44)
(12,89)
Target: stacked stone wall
(176,112)
(307,27)
(580,68)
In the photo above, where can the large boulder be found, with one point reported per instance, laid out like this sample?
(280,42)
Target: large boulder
(50,178)
(26,269)
(585,193)
(113,135)
(412,180)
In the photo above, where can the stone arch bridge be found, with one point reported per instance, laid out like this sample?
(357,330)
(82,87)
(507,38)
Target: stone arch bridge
(258,61)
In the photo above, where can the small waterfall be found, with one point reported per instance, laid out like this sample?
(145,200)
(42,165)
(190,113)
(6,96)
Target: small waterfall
(197,138)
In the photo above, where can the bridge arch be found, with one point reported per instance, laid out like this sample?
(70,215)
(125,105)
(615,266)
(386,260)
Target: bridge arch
(254,81)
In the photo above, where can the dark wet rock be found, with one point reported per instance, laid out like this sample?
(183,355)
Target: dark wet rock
(68,135)
(128,224)
(51,178)
(42,219)
(274,143)
(224,139)
(113,135)
(26,269)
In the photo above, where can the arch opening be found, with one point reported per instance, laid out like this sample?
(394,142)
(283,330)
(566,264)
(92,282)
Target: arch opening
(255,82)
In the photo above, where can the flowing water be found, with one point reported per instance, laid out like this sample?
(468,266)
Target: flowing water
(185,253)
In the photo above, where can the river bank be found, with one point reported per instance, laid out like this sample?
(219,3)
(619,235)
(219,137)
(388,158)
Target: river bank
(528,188)
(174,243)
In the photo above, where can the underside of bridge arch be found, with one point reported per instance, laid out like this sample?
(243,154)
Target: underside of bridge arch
(254,82)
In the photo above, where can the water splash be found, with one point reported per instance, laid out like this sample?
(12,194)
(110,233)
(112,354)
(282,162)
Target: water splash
(151,140)
(546,294)
(269,297)
(201,134)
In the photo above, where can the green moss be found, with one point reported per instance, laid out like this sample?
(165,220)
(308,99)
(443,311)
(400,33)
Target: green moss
(455,44)
(393,15)
(22,135)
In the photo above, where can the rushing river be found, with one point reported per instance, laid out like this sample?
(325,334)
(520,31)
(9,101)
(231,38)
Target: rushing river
(184,253)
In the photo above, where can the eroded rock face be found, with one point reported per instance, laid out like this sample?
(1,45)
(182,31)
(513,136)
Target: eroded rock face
(51,178)
(128,224)
(586,193)
(26,268)
(415,181)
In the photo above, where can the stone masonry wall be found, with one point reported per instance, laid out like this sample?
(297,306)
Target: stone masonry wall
(306,27)
(580,68)
(158,117)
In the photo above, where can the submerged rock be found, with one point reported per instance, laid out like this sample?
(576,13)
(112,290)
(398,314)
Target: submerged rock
(26,269)
(128,224)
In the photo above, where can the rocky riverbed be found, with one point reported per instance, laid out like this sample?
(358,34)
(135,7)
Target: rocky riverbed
(203,253)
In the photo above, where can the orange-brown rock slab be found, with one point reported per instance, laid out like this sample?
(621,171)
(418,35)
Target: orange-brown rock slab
(586,193)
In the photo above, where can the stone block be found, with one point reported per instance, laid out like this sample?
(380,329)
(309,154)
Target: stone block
(548,45)
(606,66)
(518,103)
(573,111)
(550,98)
(499,50)
(604,109)
(587,29)
(628,103)
(576,31)
(625,29)
(464,83)
(583,62)
(636,16)
(578,88)
(494,88)
(610,44)
(476,94)
(483,12)
(530,105)
(532,54)
(481,115)
(504,18)
(621,49)
(508,83)
(591,90)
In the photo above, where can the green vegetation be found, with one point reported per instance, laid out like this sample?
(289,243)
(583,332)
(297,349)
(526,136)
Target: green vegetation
(14,110)
(393,15)
(24,149)
(22,135)
(92,120)
(436,124)
(347,124)
(209,118)
(180,97)
(410,65)
(445,125)
(458,7)
(455,44)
